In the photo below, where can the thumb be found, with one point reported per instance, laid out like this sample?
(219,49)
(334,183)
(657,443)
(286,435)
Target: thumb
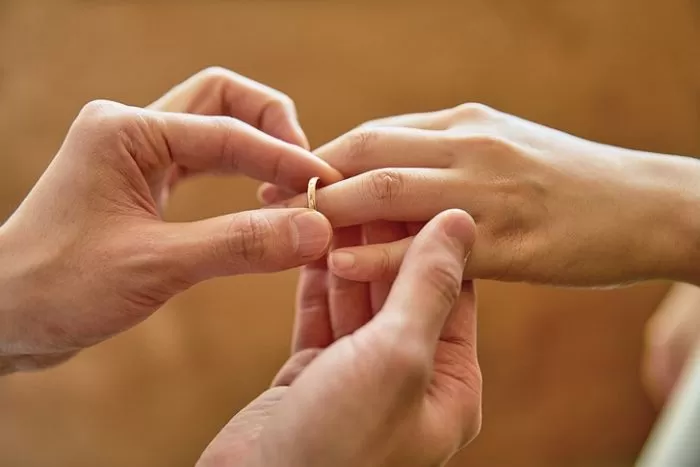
(429,283)
(266,240)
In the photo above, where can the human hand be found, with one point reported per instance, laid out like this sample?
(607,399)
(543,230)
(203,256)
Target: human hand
(399,388)
(549,207)
(87,254)
(672,335)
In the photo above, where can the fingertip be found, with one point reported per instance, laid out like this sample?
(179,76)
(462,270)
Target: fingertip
(341,262)
(332,176)
(294,130)
(300,137)
(312,234)
(267,194)
(459,224)
(369,263)
(281,121)
(291,132)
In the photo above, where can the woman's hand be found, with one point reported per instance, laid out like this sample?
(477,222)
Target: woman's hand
(549,207)
(672,335)
(402,388)
(87,254)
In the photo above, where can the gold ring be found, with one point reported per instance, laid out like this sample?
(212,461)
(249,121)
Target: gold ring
(311,193)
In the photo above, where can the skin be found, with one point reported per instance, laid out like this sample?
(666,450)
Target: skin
(402,388)
(672,335)
(90,235)
(88,255)
(549,207)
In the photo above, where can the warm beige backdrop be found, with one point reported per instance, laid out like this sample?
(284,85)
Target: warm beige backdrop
(560,366)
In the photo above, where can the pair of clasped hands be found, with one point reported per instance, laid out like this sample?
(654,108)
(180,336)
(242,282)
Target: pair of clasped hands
(384,369)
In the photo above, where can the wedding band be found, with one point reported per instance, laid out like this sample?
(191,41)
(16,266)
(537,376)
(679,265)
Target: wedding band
(311,193)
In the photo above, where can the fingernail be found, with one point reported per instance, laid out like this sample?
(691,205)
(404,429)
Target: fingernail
(311,234)
(342,260)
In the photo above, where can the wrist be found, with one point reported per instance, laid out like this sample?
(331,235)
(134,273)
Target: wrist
(12,305)
(6,305)
(672,225)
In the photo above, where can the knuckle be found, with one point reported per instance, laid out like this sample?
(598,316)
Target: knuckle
(217,80)
(483,144)
(280,104)
(215,74)
(360,141)
(384,185)
(286,102)
(104,114)
(219,74)
(473,111)
(247,240)
(99,107)
(106,124)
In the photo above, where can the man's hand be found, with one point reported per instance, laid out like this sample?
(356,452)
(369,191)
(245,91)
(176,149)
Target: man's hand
(549,207)
(87,254)
(402,388)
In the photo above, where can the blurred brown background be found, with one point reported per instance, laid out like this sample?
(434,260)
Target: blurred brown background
(561,366)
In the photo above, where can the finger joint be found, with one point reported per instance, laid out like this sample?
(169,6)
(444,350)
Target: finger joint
(384,185)
(247,240)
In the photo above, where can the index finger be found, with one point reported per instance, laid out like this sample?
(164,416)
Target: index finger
(224,144)
(218,91)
